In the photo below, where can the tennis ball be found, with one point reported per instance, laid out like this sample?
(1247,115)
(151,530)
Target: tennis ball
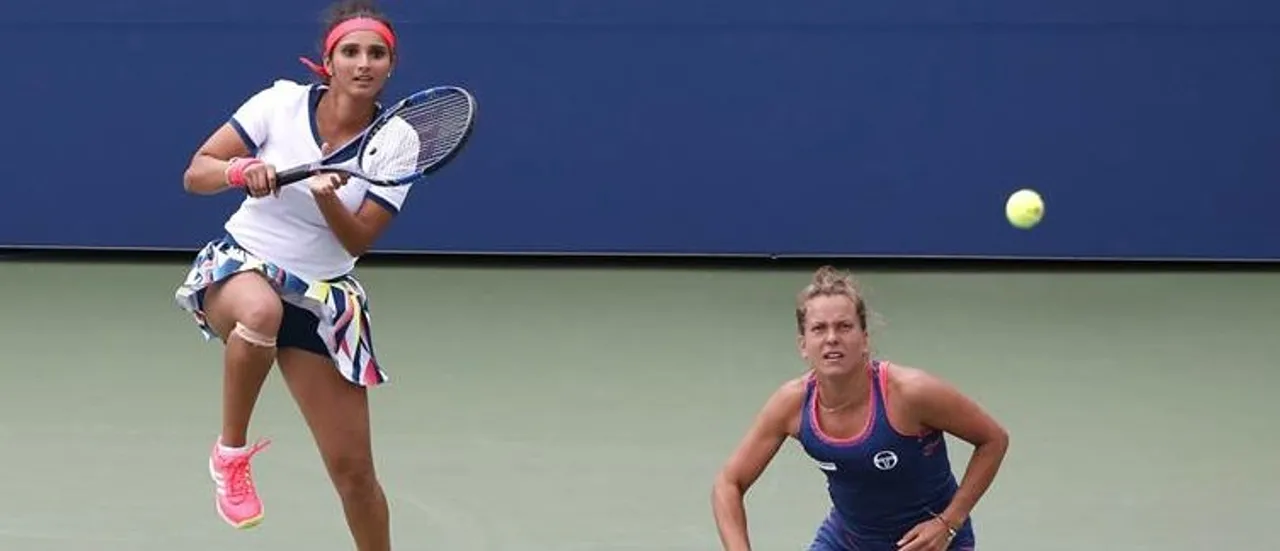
(1024,209)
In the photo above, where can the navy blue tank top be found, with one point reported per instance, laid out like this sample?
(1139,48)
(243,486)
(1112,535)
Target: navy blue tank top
(881,482)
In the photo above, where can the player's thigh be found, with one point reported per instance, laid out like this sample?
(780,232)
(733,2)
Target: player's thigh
(336,411)
(831,536)
(246,298)
(824,542)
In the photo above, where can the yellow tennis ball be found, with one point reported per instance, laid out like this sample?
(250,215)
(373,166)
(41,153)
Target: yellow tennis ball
(1024,209)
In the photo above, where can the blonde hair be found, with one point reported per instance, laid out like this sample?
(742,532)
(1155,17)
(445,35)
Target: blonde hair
(828,281)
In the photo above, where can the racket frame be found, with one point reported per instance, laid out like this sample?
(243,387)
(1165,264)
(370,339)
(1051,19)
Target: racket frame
(299,173)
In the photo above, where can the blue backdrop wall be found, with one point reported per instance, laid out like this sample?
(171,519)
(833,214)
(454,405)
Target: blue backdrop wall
(694,126)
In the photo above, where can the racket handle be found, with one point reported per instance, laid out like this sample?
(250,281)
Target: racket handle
(293,175)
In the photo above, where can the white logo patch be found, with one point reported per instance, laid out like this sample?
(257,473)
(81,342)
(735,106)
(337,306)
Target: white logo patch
(885,460)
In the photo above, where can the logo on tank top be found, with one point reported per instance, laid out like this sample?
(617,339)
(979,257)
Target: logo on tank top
(885,460)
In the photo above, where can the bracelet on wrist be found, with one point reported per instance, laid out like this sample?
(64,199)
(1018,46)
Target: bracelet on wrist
(951,530)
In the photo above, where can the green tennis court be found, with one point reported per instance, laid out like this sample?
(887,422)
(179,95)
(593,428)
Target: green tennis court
(587,408)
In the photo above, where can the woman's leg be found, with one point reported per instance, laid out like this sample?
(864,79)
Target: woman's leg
(245,312)
(337,413)
(832,536)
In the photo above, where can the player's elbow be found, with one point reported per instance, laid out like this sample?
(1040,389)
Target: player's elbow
(727,486)
(356,243)
(200,178)
(189,179)
(728,496)
(194,182)
(719,489)
(997,438)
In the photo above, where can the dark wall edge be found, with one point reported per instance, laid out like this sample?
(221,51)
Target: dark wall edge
(692,261)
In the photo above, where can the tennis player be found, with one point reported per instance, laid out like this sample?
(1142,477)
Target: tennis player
(875,429)
(278,287)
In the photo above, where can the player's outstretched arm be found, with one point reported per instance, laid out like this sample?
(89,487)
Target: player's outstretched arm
(755,451)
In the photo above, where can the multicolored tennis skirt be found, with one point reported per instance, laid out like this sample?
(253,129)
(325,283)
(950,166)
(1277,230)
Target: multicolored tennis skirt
(340,305)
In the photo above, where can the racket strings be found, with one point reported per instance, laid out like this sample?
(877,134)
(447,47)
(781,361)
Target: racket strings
(397,153)
(418,137)
(440,124)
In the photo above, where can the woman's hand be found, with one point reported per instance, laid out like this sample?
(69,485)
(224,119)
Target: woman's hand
(260,180)
(930,535)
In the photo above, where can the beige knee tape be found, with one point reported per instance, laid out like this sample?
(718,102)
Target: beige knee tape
(253,337)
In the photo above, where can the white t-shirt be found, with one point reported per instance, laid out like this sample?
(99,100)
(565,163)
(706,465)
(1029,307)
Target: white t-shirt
(278,126)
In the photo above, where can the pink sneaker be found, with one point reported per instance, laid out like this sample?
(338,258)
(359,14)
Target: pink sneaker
(236,498)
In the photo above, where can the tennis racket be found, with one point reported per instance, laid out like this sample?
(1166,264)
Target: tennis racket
(414,137)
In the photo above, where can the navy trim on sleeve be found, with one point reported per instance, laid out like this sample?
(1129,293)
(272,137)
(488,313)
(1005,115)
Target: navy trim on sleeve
(382,203)
(244,136)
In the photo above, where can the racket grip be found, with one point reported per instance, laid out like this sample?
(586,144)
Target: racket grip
(293,175)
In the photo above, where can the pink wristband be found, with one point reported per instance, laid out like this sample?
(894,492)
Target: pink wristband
(235,170)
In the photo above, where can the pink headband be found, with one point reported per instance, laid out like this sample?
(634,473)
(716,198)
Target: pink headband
(343,29)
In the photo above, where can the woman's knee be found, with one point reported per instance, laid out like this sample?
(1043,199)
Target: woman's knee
(248,307)
(353,476)
(258,321)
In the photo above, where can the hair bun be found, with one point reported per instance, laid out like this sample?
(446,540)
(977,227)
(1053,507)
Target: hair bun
(829,281)
(828,277)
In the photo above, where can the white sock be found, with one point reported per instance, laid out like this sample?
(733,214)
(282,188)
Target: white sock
(229,450)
